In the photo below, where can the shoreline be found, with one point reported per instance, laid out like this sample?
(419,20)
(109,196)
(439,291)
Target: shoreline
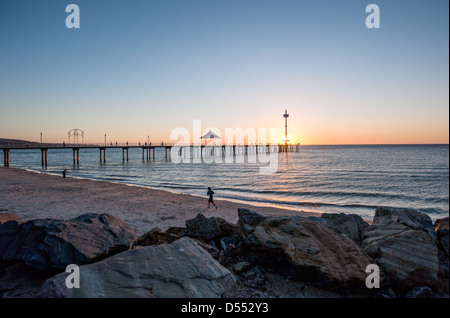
(216,198)
(34,195)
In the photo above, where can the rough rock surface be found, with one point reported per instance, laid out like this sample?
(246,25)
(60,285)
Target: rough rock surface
(350,225)
(248,220)
(5,217)
(19,281)
(242,267)
(402,242)
(442,233)
(180,269)
(419,292)
(308,250)
(49,245)
(208,229)
(407,217)
(156,236)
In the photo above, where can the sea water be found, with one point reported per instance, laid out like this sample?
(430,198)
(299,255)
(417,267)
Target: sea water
(333,179)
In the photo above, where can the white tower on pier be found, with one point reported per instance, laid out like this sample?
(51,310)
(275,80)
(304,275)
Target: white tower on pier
(286,116)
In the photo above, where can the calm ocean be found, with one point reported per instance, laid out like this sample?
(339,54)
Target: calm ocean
(349,179)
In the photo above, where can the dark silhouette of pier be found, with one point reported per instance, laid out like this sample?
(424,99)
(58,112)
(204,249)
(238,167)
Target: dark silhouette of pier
(148,150)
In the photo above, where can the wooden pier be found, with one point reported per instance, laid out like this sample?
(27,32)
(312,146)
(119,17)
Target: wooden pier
(148,151)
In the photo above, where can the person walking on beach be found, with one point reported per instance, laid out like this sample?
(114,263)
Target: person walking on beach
(210,200)
(64,173)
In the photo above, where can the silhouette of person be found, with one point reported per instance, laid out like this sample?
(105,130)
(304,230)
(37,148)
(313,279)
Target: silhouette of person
(210,200)
(64,173)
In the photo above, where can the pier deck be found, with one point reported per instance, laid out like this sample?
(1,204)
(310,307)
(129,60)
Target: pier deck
(148,151)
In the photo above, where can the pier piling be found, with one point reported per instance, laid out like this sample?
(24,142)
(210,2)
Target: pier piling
(6,157)
(44,156)
(123,153)
(102,154)
(76,155)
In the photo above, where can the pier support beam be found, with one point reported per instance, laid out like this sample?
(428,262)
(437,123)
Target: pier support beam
(44,156)
(102,154)
(123,153)
(165,150)
(146,152)
(76,156)
(6,157)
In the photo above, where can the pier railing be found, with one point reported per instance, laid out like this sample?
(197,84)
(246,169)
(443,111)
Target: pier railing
(125,144)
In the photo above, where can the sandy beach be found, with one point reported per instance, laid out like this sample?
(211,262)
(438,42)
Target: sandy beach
(37,195)
(33,195)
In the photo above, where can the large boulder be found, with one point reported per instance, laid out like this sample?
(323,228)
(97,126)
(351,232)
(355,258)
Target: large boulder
(350,225)
(49,245)
(181,269)
(402,242)
(306,249)
(208,229)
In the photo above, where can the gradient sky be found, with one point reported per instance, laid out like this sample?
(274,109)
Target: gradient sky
(144,67)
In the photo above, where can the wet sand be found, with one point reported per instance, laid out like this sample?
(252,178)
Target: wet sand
(36,195)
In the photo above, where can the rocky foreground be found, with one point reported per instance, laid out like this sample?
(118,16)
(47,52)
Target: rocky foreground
(260,256)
